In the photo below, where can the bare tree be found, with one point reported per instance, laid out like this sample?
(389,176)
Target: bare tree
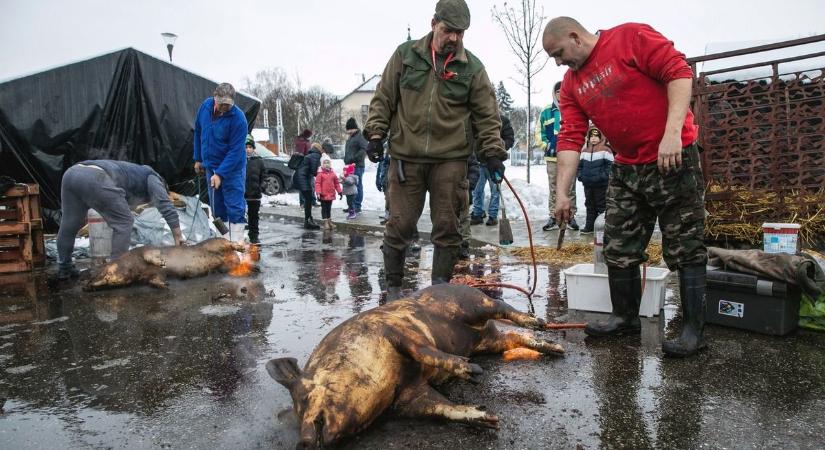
(522,28)
(312,108)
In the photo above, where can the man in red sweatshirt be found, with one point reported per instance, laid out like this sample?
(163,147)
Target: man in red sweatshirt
(635,86)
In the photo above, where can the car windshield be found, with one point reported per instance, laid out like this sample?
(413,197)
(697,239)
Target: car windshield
(264,152)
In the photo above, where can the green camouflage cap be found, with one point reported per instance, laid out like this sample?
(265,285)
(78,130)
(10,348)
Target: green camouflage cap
(454,13)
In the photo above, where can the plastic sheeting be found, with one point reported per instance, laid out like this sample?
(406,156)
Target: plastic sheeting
(150,228)
(124,105)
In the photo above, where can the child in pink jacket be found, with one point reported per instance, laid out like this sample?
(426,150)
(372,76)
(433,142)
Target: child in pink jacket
(326,186)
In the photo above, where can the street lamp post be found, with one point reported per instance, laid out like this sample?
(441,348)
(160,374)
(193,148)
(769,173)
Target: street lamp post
(170,39)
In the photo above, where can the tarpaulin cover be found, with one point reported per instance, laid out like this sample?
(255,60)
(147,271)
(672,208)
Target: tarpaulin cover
(124,105)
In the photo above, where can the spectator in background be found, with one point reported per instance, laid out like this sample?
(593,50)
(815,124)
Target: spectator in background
(219,150)
(303,180)
(350,181)
(302,145)
(595,162)
(547,131)
(355,153)
(327,147)
(254,179)
(477,217)
(326,186)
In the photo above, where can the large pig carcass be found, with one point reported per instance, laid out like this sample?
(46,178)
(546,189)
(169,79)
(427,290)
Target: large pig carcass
(152,265)
(388,357)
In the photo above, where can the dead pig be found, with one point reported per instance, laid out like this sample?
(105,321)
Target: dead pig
(388,357)
(152,265)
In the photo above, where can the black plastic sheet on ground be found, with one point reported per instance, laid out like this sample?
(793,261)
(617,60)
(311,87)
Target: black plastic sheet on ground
(124,105)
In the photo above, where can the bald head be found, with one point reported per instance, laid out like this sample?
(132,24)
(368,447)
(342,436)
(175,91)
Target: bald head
(562,26)
(568,42)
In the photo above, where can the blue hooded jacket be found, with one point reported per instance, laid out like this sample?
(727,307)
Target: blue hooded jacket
(220,144)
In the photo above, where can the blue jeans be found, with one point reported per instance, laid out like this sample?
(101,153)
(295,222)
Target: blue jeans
(359,197)
(478,196)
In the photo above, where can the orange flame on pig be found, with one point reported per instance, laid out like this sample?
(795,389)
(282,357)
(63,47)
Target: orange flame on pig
(521,353)
(247,262)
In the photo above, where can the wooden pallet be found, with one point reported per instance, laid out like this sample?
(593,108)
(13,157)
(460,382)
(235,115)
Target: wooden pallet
(21,229)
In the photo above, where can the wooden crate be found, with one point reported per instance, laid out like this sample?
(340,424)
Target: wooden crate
(21,229)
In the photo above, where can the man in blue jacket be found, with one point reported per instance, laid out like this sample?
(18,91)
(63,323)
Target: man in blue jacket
(220,137)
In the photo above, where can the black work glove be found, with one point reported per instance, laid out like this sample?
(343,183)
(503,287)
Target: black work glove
(496,169)
(375,150)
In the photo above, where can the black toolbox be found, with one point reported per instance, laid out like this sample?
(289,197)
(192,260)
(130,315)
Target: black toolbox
(746,301)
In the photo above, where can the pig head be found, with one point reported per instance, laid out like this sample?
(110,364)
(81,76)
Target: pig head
(391,355)
(152,265)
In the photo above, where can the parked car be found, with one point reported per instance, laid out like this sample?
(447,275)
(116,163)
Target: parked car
(277,176)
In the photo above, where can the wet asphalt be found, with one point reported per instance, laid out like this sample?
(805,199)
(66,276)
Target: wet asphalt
(184,368)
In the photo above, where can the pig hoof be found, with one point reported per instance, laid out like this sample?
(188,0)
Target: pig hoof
(550,348)
(474,372)
(487,420)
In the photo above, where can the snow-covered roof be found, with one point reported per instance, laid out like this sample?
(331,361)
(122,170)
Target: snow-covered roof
(370,85)
(752,58)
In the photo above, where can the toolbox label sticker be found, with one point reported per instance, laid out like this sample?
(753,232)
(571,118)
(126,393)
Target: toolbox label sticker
(733,309)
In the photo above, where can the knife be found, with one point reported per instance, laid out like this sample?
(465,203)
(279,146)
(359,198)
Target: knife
(562,229)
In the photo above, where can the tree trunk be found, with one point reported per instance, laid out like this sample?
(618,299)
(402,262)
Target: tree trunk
(529,122)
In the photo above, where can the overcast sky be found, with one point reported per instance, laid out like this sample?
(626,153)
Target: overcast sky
(330,43)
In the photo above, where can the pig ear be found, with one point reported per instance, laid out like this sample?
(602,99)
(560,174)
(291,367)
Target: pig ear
(284,371)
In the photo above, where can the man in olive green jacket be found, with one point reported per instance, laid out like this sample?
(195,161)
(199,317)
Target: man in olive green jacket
(432,93)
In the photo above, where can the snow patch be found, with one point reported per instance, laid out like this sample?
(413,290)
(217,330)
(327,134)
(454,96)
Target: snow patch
(50,321)
(21,369)
(219,310)
(111,363)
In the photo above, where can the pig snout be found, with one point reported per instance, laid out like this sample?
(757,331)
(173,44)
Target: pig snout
(317,432)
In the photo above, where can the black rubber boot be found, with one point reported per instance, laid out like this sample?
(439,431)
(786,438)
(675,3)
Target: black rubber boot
(692,292)
(444,259)
(309,224)
(626,297)
(393,271)
(65,273)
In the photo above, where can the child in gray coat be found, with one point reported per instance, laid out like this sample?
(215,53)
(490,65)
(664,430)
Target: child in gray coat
(349,181)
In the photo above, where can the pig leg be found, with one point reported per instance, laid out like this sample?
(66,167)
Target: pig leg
(425,353)
(421,400)
(157,280)
(494,341)
(487,308)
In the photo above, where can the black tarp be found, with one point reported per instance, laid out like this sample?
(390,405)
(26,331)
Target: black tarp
(124,105)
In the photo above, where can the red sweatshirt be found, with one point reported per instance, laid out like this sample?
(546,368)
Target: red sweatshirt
(622,88)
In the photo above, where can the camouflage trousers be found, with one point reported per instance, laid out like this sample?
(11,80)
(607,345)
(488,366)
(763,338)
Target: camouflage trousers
(639,194)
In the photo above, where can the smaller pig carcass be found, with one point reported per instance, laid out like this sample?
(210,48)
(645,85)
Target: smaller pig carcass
(152,265)
(390,356)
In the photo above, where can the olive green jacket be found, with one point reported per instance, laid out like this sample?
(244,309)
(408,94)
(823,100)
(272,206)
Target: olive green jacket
(429,119)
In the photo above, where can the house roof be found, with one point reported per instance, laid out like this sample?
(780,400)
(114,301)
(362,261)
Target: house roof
(370,85)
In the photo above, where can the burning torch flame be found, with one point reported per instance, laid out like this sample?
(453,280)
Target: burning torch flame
(521,353)
(247,262)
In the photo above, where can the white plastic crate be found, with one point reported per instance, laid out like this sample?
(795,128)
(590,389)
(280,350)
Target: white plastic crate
(590,291)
